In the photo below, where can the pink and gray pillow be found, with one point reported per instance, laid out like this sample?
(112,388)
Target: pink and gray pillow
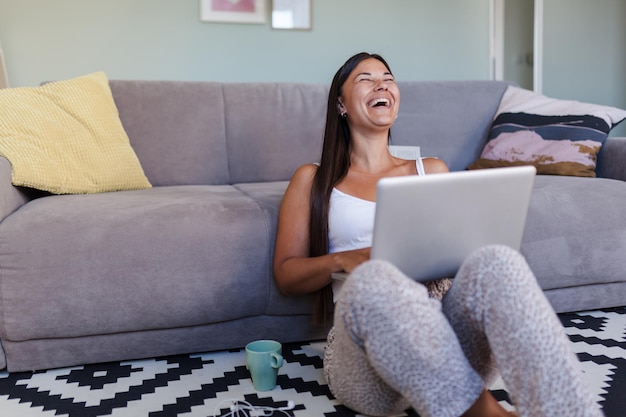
(558,137)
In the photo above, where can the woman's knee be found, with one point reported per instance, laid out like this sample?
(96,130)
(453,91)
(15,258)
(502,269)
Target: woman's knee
(494,265)
(379,280)
(493,253)
(372,295)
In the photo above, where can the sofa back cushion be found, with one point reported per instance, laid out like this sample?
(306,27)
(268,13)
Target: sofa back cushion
(273,128)
(227,133)
(449,119)
(176,129)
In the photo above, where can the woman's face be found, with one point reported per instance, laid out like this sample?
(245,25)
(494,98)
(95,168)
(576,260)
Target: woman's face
(370,97)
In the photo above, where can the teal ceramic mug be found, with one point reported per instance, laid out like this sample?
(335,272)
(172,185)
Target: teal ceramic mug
(263,358)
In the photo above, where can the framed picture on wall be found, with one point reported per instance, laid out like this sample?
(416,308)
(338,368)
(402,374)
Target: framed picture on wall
(233,11)
(291,14)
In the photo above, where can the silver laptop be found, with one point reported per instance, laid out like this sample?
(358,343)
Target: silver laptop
(427,225)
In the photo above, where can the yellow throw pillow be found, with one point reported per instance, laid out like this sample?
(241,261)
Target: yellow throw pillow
(66,137)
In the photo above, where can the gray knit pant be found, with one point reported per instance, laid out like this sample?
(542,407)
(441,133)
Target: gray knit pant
(393,347)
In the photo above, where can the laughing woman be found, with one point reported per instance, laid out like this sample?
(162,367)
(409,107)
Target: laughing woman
(396,343)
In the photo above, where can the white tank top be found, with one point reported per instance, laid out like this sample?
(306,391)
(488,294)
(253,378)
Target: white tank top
(351,222)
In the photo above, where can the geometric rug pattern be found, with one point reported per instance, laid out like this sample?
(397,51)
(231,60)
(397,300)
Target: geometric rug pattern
(208,384)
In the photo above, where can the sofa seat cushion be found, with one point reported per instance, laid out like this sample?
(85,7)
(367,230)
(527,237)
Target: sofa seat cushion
(133,260)
(269,195)
(576,231)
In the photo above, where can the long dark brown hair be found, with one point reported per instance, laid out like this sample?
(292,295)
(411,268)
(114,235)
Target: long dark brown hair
(333,167)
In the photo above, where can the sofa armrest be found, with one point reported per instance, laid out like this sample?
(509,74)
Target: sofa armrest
(11,197)
(612,159)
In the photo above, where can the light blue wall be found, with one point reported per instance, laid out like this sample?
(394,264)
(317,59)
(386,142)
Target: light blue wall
(164,39)
(518,41)
(585,52)
(585,57)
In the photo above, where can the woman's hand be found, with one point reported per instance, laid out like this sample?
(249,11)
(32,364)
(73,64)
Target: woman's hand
(349,260)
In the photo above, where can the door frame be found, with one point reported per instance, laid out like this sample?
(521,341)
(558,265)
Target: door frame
(496,42)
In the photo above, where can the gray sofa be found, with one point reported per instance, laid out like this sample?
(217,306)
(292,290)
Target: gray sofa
(186,266)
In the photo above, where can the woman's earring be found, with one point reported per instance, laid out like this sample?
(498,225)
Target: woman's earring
(341,109)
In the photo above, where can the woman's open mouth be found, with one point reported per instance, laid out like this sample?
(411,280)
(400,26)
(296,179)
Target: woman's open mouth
(379,102)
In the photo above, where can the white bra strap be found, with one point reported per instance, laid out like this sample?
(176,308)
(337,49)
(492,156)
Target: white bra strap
(420,166)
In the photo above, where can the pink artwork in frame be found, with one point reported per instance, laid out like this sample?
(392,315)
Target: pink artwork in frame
(233,11)
(243,6)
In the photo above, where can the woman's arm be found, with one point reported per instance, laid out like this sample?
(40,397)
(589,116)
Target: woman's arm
(295,271)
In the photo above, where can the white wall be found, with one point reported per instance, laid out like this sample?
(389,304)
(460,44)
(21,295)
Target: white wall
(164,39)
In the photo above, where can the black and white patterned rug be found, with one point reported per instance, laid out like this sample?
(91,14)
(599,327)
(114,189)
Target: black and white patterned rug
(209,384)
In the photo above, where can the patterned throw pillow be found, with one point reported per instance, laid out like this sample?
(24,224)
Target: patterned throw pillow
(558,137)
